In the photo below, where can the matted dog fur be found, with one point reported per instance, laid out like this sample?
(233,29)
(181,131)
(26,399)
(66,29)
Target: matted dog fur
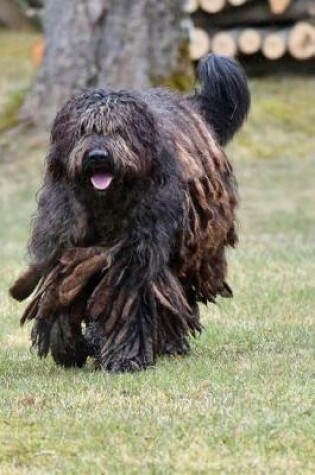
(134,217)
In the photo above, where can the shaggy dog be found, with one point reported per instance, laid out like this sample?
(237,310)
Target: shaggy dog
(134,217)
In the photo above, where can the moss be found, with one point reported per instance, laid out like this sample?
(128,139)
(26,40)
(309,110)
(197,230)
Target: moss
(182,78)
(9,116)
(177,80)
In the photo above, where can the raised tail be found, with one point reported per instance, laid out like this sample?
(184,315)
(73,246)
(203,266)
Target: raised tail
(224,97)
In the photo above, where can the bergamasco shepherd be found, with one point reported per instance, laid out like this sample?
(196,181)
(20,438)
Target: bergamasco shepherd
(134,217)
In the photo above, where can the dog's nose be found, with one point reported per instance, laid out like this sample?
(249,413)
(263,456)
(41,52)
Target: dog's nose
(97,154)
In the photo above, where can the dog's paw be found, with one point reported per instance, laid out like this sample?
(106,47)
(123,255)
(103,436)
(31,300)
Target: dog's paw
(92,339)
(67,349)
(131,365)
(177,347)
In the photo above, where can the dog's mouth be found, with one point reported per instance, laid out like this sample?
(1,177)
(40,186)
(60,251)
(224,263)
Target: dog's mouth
(101,180)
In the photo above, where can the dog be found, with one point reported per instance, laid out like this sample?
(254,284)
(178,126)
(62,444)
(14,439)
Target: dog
(135,214)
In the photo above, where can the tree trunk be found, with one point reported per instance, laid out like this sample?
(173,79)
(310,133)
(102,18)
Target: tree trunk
(107,43)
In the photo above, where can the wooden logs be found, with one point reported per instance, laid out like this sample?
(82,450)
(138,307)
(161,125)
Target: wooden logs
(212,6)
(237,3)
(199,43)
(279,6)
(225,43)
(301,41)
(190,6)
(256,13)
(274,45)
(250,41)
(274,29)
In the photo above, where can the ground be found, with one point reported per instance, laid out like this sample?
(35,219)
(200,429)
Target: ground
(242,402)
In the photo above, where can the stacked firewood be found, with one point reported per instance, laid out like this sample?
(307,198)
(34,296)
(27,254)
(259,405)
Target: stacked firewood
(274,29)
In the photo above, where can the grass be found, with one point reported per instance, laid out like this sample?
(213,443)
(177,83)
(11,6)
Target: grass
(17,72)
(10,114)
(243,401)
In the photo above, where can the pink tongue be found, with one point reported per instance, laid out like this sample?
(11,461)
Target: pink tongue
(101,180)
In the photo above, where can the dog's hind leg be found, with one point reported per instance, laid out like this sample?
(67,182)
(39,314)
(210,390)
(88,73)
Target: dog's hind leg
(179,346)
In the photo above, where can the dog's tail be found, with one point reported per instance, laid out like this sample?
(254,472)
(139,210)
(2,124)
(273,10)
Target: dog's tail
(224,97)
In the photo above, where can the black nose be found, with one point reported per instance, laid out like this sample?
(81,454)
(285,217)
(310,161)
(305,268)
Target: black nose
(97,154)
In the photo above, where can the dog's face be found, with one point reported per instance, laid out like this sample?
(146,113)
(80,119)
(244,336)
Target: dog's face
(103,140)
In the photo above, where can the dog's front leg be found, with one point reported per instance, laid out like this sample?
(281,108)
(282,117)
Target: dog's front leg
(138,301)
(125,310)
(68,346)
(140,307)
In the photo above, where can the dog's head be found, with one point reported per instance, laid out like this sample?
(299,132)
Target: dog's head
(102,139)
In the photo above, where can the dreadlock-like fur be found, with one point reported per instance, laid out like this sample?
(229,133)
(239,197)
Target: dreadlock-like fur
(133,261)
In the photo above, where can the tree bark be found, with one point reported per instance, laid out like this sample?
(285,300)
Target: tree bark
(106,43)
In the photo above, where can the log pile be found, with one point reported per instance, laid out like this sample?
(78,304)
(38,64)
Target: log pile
(269,29)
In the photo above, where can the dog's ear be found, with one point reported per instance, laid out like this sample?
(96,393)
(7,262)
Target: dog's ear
(224,97)
(66,131)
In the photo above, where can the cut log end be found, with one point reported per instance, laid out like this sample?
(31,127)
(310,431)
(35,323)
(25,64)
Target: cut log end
(250,41)
(212,6)
(302,41)
(279,6)
(274,45)
(225,44)
(190,6)
(237,3)
(199,43)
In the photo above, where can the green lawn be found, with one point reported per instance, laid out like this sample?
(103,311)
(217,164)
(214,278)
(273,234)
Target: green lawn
(242,402)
